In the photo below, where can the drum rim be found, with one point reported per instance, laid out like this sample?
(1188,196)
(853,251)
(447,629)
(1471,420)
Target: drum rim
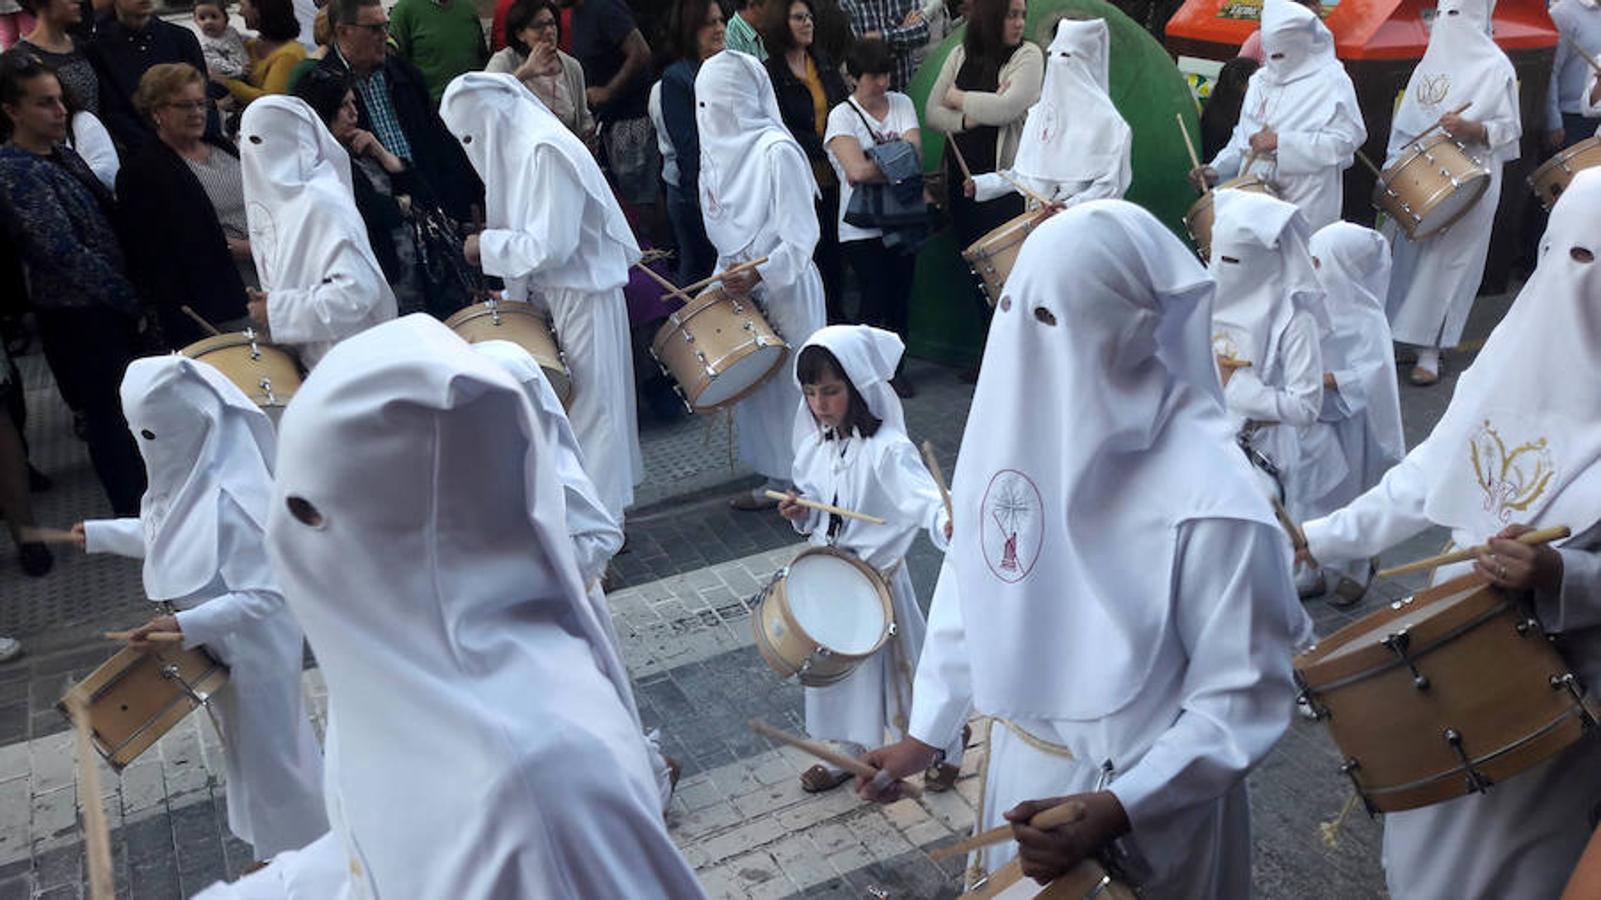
(227,340)
(1317,671)
(509,307)
(880,588)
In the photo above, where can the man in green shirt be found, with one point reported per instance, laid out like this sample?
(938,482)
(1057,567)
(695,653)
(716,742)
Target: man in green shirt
(742,34)
(443,38)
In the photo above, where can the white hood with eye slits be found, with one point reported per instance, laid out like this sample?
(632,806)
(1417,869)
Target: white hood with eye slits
(1263,266)
(1074,132)
(1461,65)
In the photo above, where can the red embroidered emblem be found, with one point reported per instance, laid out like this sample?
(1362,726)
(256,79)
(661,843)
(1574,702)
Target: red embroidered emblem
(1013,529)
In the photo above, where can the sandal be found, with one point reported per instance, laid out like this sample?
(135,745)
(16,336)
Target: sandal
(1423,377)
(749,502)
(1349,592)
(941,778)
(818,779)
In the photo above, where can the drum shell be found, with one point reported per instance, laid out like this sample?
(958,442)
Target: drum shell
(1492,677)
(520,323)
(992,256)
(247,362)
(1551,179)
(786,645)
(1203,215)
(1425,176)
(702,340)
(1087,879)
(130,703)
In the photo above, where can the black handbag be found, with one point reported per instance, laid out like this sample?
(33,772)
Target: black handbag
(896,206)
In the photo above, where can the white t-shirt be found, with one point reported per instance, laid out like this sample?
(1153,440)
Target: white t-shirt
(843,120)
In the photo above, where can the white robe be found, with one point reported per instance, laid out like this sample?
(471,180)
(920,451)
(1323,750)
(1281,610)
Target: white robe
(881,476)
(317,871)
(273,762)
(583,294)
(1180,750)
(1520,840)
(790,294)
(451,773)
(1307,99)
(1434,281)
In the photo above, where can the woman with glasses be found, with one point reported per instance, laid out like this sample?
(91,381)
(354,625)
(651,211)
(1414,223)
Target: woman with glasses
(532,31)
(192,186)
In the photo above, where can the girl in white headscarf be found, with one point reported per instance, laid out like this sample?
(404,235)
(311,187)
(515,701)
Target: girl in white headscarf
(1114,591)
(483,747)
(1300,122)
(756,196)
(554,231)
(320,282)
(1270,314)
(595,534)
(1360,396)
(208,453)
(851,450)
(1075,145)
(1435,280)
(1517,448)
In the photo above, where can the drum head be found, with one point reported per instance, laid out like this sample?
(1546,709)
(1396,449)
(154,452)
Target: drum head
(740,375)
(835,603)
(1454,206)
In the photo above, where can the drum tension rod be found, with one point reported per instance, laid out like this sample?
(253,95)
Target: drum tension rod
(1398,644)
(1349,769)
(1569,683)
(1309,697)
(1478,783)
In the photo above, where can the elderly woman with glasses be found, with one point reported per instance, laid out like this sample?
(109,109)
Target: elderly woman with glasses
(182,199)
(532,31)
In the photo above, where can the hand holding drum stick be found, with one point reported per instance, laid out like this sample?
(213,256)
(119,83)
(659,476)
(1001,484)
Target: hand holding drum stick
(686,293)
(200,320)
(1540,536)
(1061,814)
(838,760)
(824,507)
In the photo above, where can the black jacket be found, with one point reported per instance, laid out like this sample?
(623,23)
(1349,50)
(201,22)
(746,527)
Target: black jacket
(176,249)
(436,154)
(795,100)
(121,57)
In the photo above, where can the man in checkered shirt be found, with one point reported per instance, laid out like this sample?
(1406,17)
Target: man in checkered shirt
(898,23)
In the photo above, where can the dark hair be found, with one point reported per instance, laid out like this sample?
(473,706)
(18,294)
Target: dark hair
(324,91)
(817,362)
(221,5)
(345,12)
(17,67)
(984,29)
(1222,109)
(686,20)
(521,16)
(276,20)
(775,31)
(869,58)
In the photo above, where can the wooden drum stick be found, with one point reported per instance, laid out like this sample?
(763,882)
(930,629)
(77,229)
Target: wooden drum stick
(838,760)
(1430,130)
(1297,537)
(961,163)
(1377,172)
(932,461)
(1021,189)
(96,834)
(49,536)
(1195,161)
(825,507)
(671,289)
(209,328)
(1584,54)
(1540,536)
(158,637)
(1061,814)
(1233,362)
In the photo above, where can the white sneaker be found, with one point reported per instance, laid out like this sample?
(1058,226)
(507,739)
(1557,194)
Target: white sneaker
(10,648)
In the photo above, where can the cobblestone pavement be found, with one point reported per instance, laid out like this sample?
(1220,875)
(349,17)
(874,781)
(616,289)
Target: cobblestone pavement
(682,609)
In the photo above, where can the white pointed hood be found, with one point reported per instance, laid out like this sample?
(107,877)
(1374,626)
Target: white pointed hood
(1461,65)
(506,131)
(201,439)
(740,124)
(869,356)
(1097,429)
(1264,273)
(1354,270)
(1520,441)
(1074,133)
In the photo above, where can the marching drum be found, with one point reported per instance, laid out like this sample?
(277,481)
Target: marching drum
(268,374)
(134,698)
(718,350)
(1202,215)
(520,323)
(1442,694)
(1432,185)
(992,256)
(821,616)
(1551,179)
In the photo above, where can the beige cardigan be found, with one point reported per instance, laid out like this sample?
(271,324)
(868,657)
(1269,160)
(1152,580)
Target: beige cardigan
(581,123)
(1020,80)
